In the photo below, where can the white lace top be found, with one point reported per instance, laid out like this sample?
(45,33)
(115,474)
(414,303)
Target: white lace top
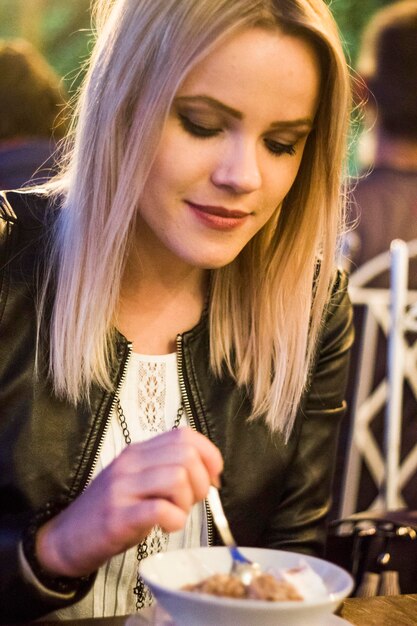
(150,398)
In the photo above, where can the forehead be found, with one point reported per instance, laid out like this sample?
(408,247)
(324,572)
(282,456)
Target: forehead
(276,73)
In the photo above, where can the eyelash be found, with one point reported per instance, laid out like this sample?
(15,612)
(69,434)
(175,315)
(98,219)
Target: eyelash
(196,129)
(274,147)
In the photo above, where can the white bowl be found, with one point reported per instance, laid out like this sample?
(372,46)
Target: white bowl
(167,572)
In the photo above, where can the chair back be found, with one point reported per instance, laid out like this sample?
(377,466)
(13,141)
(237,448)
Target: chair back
(392,313)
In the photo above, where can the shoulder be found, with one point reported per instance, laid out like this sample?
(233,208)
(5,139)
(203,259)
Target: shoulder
(338,316)
(26,220)
(27,208)
(339,289)
(25,216)
(330,366)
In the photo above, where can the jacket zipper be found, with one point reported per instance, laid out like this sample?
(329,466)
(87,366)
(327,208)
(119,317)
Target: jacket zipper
(106,426)
(190,416)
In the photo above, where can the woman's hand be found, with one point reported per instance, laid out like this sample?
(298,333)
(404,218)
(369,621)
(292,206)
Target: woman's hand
(149,483)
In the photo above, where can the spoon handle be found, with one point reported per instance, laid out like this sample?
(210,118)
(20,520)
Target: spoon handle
(219,517)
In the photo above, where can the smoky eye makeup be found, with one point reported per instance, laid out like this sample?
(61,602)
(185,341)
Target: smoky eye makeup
(202,121)
(196,127)
(277,148)
(197,122)
(285,142)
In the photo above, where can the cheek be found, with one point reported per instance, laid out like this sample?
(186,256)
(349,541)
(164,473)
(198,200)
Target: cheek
(162,175)
(172,175)
(178,160)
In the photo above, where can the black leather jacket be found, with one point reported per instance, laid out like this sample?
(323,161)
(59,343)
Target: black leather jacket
(274,495)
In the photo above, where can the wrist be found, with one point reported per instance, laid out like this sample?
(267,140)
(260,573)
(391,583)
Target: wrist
(49,574)
(47,554)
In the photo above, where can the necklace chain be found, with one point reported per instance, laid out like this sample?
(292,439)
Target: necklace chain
(142,592)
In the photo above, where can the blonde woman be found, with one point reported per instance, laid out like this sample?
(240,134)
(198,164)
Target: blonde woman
(171,313)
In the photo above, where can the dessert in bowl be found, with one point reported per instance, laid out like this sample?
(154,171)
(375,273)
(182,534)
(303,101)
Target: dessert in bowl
(168,573)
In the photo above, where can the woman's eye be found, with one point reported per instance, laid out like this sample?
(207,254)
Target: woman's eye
(197,130)
(278,148)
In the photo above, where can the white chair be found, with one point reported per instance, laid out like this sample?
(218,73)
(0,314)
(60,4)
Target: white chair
(394,311)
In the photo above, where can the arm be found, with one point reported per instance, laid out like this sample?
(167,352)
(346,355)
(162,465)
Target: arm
(150,483)
(155,482)
(41,442)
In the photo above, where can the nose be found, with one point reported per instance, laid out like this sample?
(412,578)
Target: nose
(238,167)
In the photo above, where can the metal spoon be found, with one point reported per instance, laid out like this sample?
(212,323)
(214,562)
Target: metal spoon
(242,567)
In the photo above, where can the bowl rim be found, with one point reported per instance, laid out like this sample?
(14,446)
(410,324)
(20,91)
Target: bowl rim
(332,598)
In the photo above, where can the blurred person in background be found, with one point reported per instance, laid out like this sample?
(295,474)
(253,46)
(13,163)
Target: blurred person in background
(384,200)
(31,100)
(385,197)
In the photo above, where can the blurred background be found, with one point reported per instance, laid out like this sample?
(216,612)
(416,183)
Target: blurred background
(60,29)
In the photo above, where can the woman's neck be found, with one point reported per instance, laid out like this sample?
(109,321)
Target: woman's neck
(160,298)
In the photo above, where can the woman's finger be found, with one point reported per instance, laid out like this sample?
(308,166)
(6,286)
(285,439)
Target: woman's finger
(183,446)
(171,482)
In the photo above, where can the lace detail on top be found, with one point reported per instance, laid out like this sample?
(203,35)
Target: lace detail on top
(151,396)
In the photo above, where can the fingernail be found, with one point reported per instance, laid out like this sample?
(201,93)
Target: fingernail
(217,482)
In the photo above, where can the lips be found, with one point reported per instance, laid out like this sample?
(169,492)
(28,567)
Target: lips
(219,211)
(218,217)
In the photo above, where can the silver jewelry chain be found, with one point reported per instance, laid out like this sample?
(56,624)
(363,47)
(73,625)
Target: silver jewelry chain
(142,592)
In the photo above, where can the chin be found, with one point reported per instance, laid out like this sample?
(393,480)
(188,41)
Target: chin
(214,264)
(209,259)
(214,259)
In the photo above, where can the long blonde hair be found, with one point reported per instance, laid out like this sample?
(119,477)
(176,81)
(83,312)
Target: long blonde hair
(264,316)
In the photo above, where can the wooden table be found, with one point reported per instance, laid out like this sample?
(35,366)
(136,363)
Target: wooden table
(378,611)
(381,611)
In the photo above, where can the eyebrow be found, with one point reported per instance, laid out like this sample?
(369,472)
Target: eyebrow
(301,122)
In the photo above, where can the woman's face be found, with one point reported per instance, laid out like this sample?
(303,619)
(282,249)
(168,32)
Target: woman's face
(231,147)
